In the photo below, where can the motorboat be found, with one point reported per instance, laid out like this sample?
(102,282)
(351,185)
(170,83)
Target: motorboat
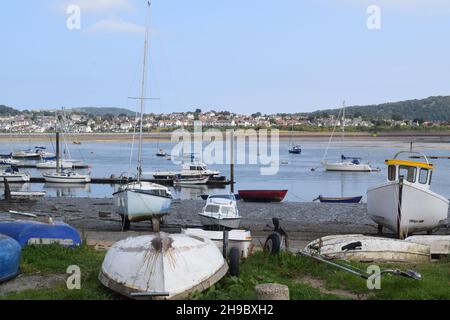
(194,168)
(138,201)
(39,233)
(357,247)
(188,179)
(162,266)
(405,204)
(10,253)
(220,211)
(13,175)
(262,195)
(297,149)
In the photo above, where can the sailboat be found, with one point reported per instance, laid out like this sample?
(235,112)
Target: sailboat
(295,149)
(405,204)
(62,175)
(139,200)
(352,164)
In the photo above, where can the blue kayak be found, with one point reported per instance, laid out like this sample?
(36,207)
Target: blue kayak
(10,252)
(32,232)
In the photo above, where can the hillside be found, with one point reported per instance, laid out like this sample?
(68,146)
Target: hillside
(103,111)
(429,109)
(7,111)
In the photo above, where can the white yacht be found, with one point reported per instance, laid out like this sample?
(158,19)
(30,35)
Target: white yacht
(187,169)
(12,175)
(66,176)
(405,204)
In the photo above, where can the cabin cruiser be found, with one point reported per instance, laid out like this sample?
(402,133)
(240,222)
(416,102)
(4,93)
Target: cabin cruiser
(190,168)
(13,175)
(405,204)
(221,210)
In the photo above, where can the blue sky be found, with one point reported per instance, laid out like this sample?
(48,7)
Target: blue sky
(242,56)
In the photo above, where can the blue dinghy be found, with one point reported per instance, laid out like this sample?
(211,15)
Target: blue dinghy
(32,232)
(10,252)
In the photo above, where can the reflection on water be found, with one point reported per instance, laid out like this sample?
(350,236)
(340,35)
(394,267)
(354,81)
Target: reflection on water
(67,189)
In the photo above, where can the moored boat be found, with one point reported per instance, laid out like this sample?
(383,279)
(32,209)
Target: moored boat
(10,253)
(66,176)
(323,199)
(13,175)
(162,266)
(357,247)
(32,232)
(405,204)
(190,179)
(51,164)
(262,195)
(297,149)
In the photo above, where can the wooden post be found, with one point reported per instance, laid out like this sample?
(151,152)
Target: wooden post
(7,189)
(156,223)
(232,162)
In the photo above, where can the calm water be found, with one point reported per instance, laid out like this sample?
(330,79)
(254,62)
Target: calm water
(107,158)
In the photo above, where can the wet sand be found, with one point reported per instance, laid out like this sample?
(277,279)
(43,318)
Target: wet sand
(96,219)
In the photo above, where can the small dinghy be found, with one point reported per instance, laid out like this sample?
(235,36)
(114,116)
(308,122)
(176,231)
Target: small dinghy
(32,232)
(10,252)
(162,266)
(323,199)
(369,249)
(262,195)
(439,245)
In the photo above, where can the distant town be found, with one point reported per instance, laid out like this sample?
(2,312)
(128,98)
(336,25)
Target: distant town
(79,122)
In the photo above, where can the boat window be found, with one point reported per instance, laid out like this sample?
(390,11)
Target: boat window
(222,196)
(423,176)
(392,173)
(228,210)
(409,173)
(212,208)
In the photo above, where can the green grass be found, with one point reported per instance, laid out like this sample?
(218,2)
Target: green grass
(259,268)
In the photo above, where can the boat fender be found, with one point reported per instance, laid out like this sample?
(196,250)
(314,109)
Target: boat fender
(273,244)
(234,262)
(352,246)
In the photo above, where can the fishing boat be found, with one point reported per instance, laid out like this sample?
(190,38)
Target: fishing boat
(345,164)
(220,211)
(162,266)
(297,149)
(339,199)
(12,174)
(357,247)
(138,201)
(10,253)
(405,204)
(190,179)
(240,239)
(38,233)
(262,195)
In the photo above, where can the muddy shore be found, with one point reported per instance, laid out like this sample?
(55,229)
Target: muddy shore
(96,219)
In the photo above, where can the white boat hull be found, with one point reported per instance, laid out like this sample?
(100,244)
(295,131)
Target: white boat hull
(347,166)
(190,182)
(373,249)
(15,177)
(52,165)
(67,179)
(139,206)
(421,209)
(240,239)
(210,220)
(439,244)
(162,266)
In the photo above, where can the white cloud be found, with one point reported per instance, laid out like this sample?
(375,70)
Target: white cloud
(99,6)
(115,26)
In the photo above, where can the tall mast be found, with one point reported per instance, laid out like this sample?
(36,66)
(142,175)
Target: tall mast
(343,121)
(57,143)
(142,99)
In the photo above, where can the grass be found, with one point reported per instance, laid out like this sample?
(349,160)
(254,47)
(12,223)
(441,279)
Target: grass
(259,268)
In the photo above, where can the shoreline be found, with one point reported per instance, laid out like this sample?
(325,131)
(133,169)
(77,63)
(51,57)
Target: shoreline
(436,137)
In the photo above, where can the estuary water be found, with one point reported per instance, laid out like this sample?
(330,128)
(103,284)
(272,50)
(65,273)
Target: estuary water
(294,174)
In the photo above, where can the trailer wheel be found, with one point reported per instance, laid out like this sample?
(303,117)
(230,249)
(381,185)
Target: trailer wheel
(234,261)
(273,244)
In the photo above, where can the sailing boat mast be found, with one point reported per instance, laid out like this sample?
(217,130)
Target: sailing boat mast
(142,99)
(343,121)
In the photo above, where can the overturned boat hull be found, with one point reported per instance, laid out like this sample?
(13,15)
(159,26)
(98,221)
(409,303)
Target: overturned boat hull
(369,249)
(162,266)
(10,252)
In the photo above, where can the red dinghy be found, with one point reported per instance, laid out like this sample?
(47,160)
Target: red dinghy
(262,195)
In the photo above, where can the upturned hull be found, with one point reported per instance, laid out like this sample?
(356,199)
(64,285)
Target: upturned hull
(421,210)
(139,206)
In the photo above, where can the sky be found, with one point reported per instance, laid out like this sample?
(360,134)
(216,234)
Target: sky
(240,56)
